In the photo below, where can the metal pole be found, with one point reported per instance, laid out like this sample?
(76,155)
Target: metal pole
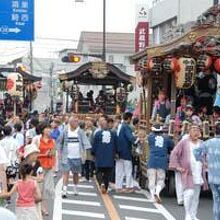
(215,2)
(31,67)
(51,87)
(179,8)
(104,31)
(31,58)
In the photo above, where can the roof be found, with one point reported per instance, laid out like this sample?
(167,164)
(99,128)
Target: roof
(115,42)
(82,76)
(26,76)
(203,37)
(182,45)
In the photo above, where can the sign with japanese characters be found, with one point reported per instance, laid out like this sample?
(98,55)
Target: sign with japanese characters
(17,20)
(14,85)
(141,37)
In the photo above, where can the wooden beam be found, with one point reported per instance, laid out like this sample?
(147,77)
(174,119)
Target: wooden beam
(173,96)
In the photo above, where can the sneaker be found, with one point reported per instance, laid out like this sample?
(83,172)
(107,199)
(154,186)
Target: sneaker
(64,194)
(75,191)
(180,204)
(83,179)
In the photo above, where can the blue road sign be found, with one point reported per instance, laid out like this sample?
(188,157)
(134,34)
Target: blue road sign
(17,20)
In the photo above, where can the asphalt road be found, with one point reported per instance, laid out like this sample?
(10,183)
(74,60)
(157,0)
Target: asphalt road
(90,205)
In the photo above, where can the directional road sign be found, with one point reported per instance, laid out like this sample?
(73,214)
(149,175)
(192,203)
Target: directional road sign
(17,20)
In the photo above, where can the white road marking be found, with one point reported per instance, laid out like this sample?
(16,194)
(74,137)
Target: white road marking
(82,193)
(82,186)
(136,208)
(132,198)
(57,211)
(80,202)
(164,212)
(83,214)
(131,218)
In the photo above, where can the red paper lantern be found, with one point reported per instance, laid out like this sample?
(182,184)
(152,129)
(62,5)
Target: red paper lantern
(171,64)
(217,65)
(204,62)
(154,65)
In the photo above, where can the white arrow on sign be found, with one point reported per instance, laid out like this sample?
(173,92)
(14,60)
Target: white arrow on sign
(14,30)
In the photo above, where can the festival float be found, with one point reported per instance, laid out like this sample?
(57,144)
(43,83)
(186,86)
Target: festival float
(19,88)
(112,97)
(187,66)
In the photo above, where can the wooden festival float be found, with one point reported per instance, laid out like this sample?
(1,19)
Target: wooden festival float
(19,88)
(111,101)
(188,65)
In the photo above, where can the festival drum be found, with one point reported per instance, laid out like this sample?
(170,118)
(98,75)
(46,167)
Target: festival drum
(185,76)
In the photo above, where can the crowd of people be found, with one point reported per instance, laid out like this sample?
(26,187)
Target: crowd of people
(32,152)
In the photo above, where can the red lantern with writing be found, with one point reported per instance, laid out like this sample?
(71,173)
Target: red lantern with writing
(217,65)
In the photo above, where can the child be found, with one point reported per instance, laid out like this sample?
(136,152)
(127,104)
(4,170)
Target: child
(30,156)
(28,194)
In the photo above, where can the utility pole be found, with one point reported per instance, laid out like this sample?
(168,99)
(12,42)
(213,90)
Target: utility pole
(31,67)
(51,87)
(104,32)
(31,58)
(215,2)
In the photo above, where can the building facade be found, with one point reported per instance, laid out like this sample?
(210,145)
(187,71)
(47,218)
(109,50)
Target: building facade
(119,47)
(167,15)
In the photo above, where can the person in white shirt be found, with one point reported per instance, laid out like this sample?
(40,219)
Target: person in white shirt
(3,163)
(10,145)
(73,145)
(19,136)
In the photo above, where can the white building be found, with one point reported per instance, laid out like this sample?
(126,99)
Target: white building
(119,47)
(167,14)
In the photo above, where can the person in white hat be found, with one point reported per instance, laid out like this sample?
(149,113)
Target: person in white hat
(31,153)
(159,145)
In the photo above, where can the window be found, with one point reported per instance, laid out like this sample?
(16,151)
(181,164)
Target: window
(111,59)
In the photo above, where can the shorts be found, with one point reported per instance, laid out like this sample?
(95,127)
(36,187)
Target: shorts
(74,165)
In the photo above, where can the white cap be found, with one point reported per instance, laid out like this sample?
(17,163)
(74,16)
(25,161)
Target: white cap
(29,149)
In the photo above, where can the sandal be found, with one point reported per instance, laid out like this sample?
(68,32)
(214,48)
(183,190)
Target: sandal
(44,213)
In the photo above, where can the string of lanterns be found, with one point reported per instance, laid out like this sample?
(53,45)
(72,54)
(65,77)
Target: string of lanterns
(184,68)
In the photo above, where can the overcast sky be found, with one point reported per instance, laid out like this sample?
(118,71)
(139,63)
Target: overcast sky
(65,19)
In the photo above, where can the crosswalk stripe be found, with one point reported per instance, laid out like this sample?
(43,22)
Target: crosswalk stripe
(82,193)
(136,208)
(79,202)
(132,199)
(83,186)
(164,212)
(83,214)
(131,218)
